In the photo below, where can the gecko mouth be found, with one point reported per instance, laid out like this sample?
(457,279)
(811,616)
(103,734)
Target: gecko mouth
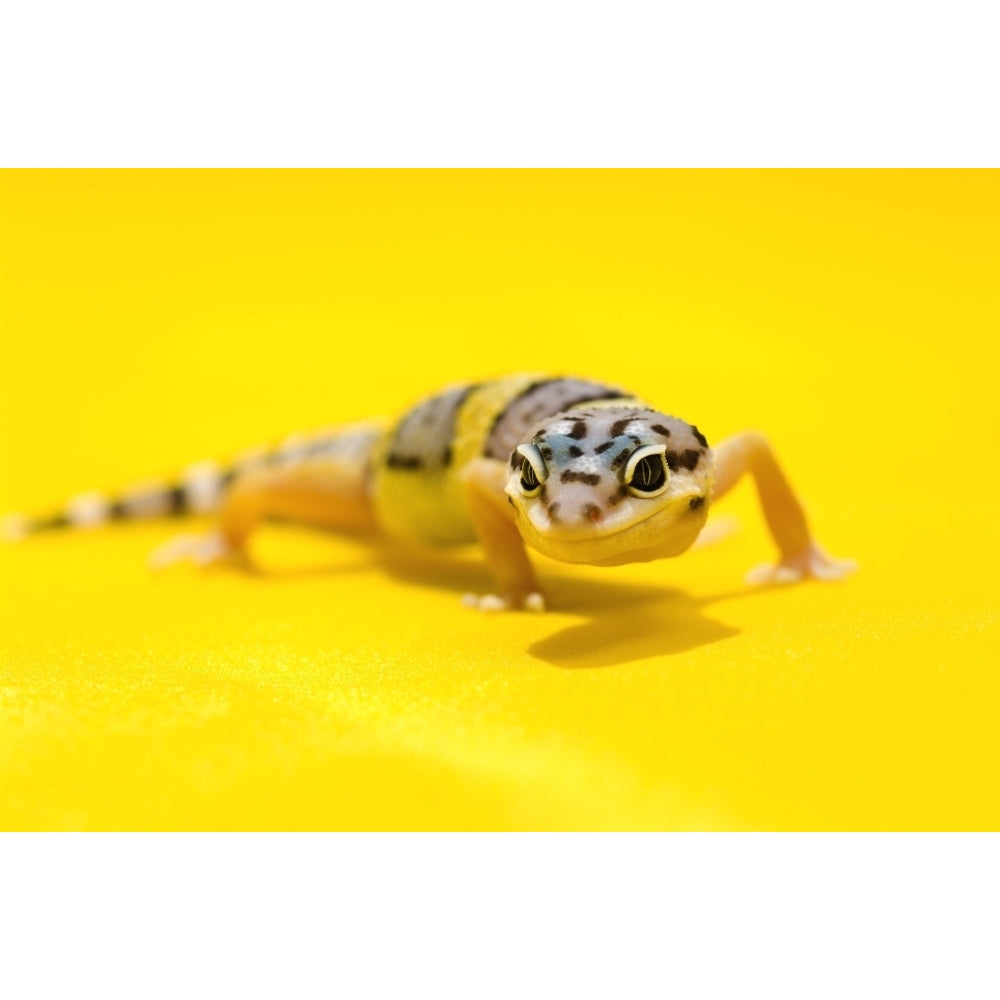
(665,531)
(604,526)
(595,523)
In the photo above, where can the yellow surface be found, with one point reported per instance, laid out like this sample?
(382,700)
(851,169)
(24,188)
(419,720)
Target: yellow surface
(151,318)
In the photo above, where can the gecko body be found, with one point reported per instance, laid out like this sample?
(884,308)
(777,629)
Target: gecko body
(578,470)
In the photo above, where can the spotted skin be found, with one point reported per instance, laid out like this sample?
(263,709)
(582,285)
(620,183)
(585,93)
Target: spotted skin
(541,398)
(422,439)
(576,469)
(587,451)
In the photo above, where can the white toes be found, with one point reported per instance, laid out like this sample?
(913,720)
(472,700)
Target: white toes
(534,602)
(492,603)
(813,562)
(787,574)
(203,550)
(832,569)
(768,574)
(487,602)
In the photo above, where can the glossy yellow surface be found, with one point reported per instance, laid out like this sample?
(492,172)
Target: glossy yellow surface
(151,318)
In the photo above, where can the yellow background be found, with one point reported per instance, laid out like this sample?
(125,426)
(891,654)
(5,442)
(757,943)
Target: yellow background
(154,318)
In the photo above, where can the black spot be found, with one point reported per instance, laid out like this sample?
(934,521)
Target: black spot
(699,436)
(671,457)
(409,462)
(426,429)
(695,502)
(635,439)
(543,493)
(590,478)
(620,458)
(574,451)
(618,427)
(592,512)
(553,508)
(546,453)
(602,448)
(447,456)
(56,521)
(689,459)
(545,397)
(616,498)
(177,500)
(579,430)
(660,429)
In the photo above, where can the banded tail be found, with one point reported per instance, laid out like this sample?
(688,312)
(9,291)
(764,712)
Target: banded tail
(199,489)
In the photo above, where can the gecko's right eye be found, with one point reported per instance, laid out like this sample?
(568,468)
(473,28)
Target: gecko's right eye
(533,471)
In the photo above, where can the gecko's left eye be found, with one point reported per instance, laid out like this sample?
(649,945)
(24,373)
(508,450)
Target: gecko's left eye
(529,481)
(533,470)
(646,472)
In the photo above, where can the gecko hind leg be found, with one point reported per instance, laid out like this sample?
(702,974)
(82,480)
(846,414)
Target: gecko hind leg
(319,492)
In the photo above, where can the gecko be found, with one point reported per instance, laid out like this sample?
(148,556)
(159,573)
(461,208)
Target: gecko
(578,470)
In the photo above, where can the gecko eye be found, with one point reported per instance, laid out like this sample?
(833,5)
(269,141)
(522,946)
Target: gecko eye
(533,471)
(646,472)
(529,481)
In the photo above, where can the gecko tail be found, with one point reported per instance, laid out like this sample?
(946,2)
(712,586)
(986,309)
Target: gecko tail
(198,489)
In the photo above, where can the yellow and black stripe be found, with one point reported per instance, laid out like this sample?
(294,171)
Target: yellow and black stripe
(415,485)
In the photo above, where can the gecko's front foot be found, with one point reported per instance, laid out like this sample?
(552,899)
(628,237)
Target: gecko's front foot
(508,602)
(812,563)
(203,550)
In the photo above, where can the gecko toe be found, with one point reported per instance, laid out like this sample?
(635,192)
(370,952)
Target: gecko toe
(491,603)
(534,602)
(202,550)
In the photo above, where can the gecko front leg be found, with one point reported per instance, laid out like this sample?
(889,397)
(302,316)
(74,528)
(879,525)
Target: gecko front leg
(493,518)
(799,553)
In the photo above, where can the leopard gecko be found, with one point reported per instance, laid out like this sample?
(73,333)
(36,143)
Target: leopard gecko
(578,470)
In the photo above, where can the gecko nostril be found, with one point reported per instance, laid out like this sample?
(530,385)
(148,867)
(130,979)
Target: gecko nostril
(592,512)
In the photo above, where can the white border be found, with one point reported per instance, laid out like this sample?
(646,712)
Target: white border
(519,83)
(532,915)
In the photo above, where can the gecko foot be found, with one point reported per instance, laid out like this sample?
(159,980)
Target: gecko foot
(202,550)
(812,563)
(491,603)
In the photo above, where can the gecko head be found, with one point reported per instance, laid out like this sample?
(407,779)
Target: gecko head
(611,485)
